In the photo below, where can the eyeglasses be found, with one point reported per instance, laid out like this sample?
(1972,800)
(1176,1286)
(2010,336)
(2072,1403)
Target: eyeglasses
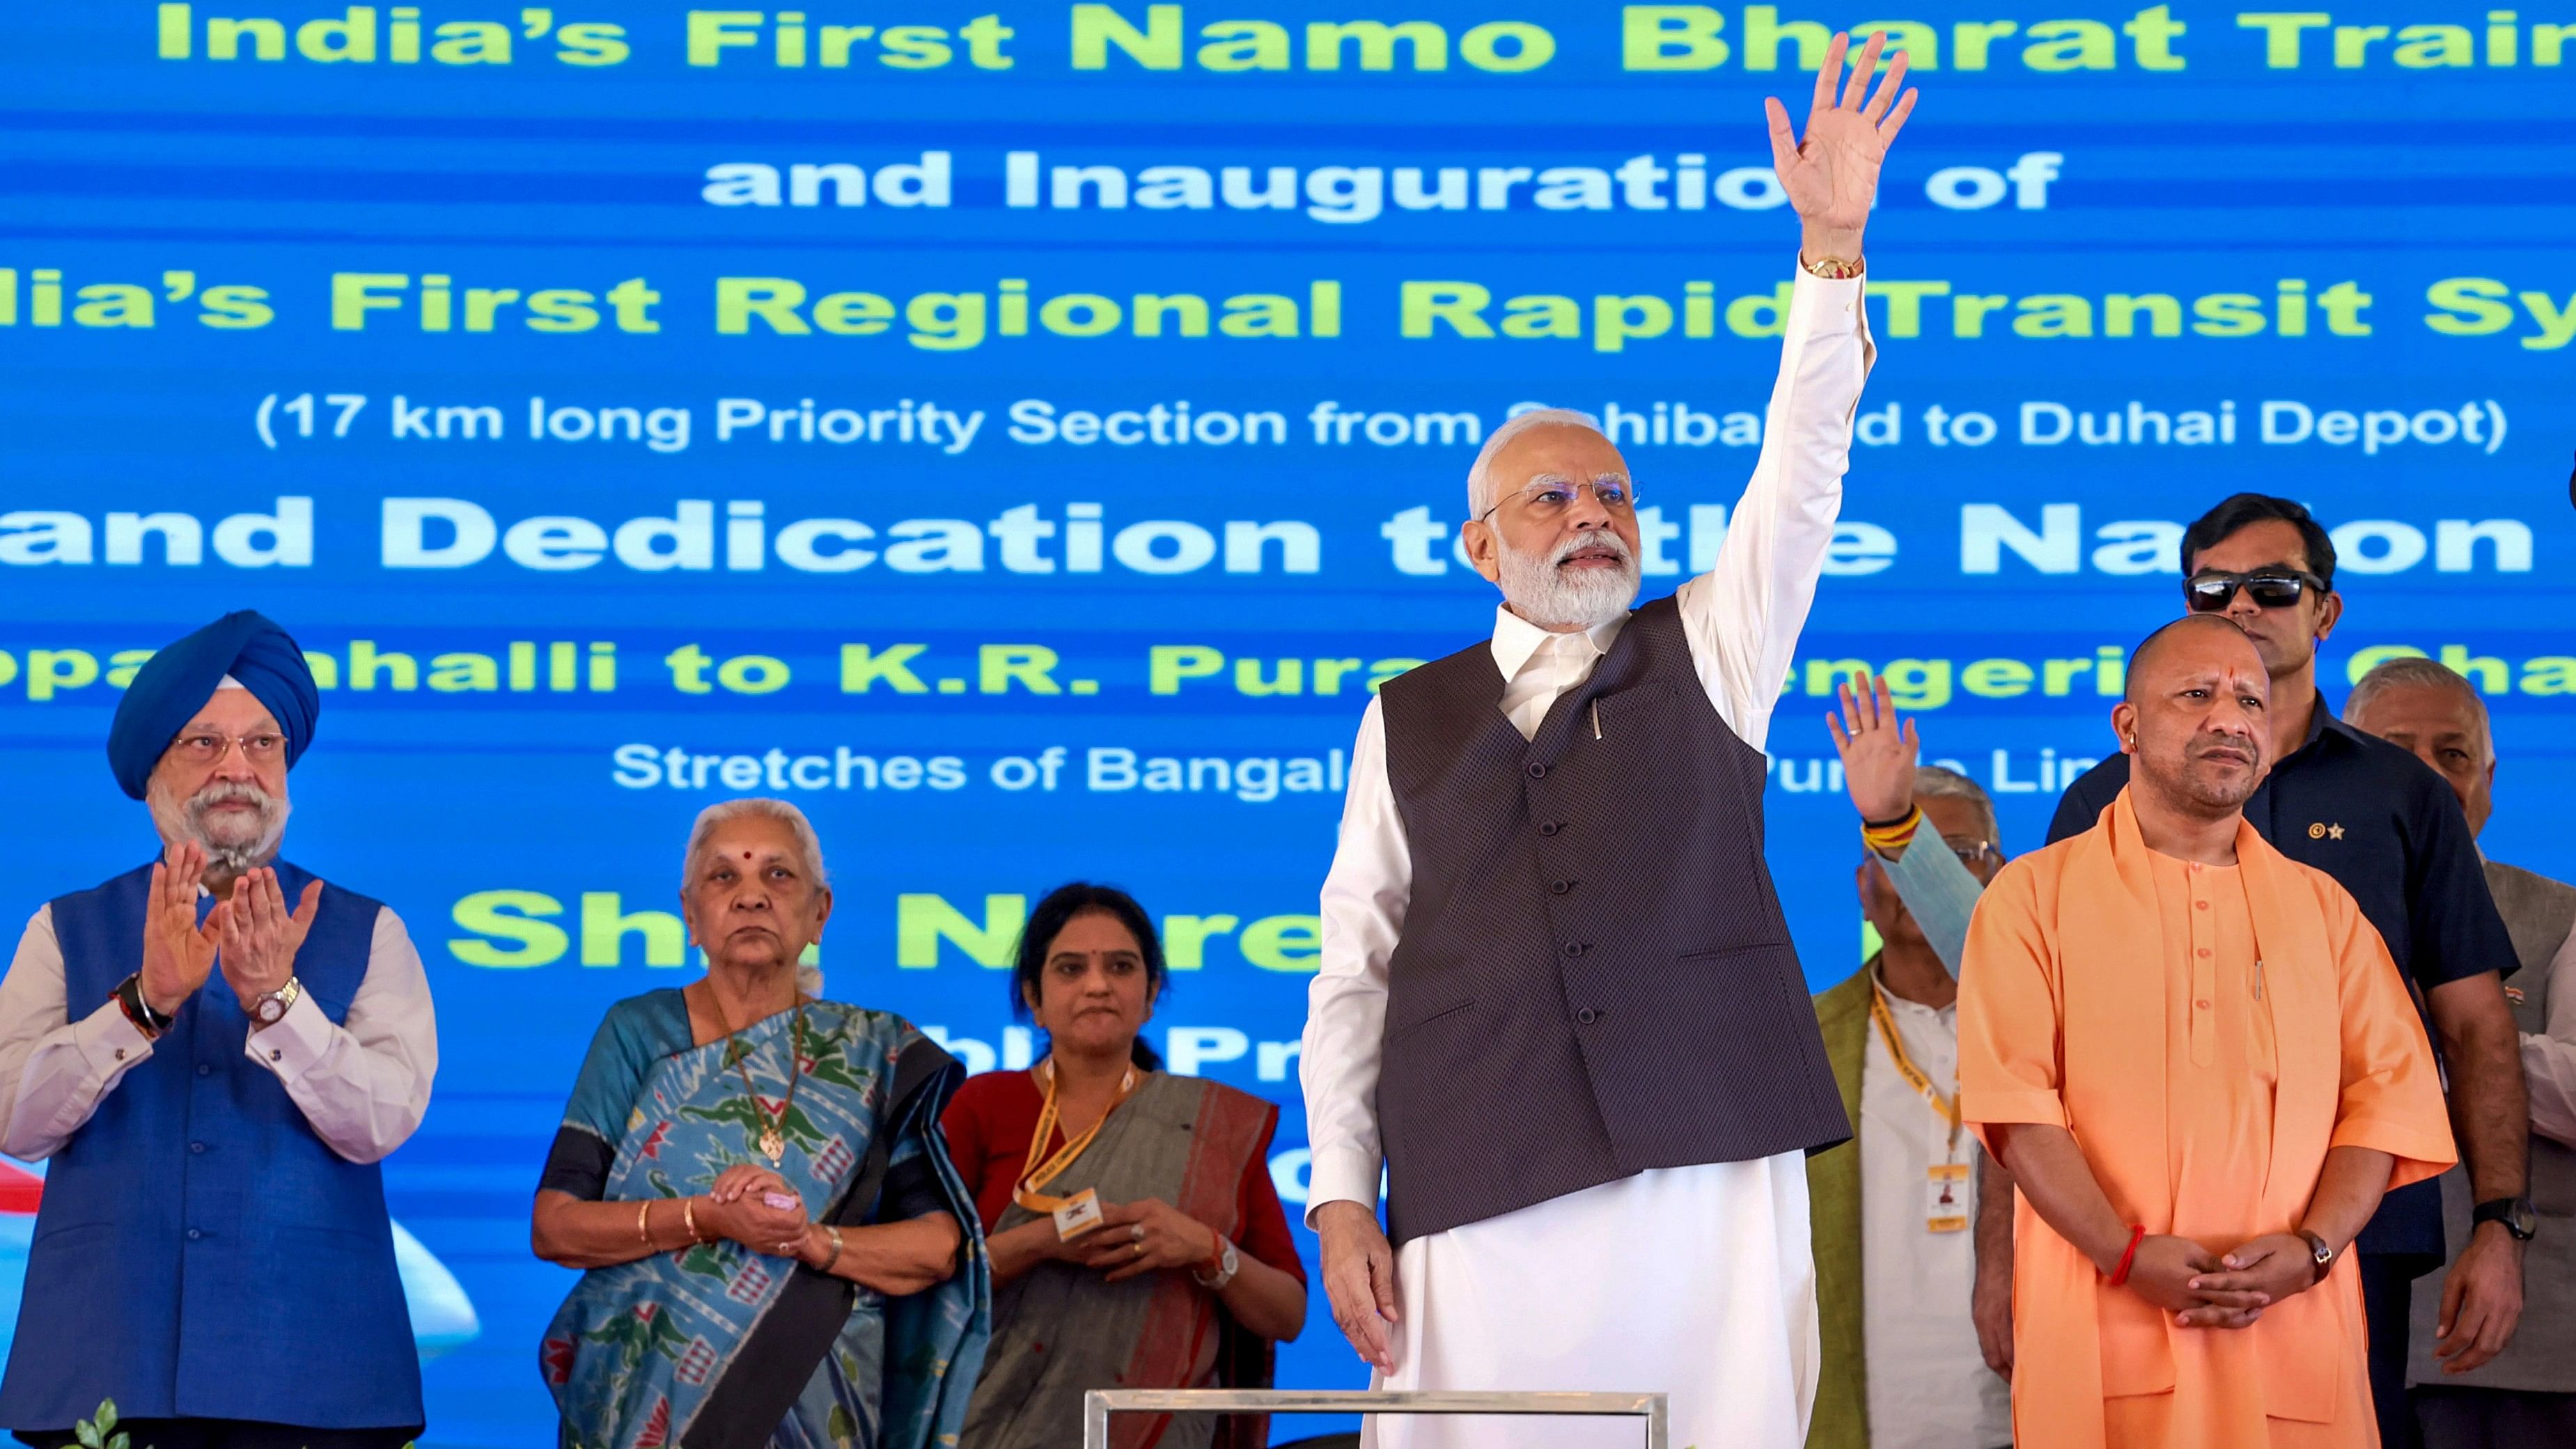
(261,748)
(1551,496)
(1969,851)
(2207,593)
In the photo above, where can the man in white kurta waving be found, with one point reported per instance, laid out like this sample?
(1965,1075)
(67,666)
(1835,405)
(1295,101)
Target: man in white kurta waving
(1557,999)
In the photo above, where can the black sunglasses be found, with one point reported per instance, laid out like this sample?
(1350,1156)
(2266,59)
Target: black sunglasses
(2207,593)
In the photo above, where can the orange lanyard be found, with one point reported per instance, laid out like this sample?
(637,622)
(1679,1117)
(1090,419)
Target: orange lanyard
(1027,1193)
(1886,1024)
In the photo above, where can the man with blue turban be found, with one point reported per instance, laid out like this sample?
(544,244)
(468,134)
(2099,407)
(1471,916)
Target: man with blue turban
(212,1250)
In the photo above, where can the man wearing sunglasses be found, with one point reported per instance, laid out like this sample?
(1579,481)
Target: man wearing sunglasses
(2369,814)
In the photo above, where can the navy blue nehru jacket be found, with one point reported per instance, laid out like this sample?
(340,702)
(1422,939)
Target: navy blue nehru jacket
(2390,831)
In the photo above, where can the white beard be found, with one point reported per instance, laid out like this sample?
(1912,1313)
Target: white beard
(1551,596)
(231,844)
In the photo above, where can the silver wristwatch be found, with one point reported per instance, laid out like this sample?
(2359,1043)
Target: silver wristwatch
(271,1008)
(1228,1263)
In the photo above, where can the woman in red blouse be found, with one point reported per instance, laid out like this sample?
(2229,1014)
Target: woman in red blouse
(1136,1239)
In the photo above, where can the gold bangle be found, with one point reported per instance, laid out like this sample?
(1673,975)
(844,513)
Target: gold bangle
(834,1233)
(689,1218)
(643,1234)
(1832,269)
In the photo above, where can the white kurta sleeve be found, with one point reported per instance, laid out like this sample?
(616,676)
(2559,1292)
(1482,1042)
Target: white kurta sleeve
(2549,1057)
(362,1085)
(53,1069)
(1743,616)
(1365,896)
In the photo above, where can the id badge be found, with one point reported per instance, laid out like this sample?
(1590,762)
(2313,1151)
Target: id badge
(1945,1198)
(1079,1215)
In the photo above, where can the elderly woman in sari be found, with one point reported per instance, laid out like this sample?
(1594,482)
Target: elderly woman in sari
(754,1181)
(1135,1234)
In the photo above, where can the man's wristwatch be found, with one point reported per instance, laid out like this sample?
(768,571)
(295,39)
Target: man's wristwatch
(2322,1255)
(272,1007)
(129,997)
(2514,1212)
(1219,1269)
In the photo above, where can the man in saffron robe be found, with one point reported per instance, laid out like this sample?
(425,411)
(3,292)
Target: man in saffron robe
(2202,1070)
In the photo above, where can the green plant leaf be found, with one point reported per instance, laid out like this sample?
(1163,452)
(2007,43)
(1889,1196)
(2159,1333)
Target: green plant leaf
(106,1415)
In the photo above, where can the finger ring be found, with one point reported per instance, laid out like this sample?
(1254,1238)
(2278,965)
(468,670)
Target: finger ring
(1137,1233)
(1140,1250)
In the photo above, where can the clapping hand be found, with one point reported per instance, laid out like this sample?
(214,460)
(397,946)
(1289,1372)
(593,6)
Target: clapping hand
(259,936)
(1831,176)
(1878,753)
(178,953)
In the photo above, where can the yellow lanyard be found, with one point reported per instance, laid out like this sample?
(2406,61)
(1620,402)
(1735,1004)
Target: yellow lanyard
(1026,1194)
(1886,1024)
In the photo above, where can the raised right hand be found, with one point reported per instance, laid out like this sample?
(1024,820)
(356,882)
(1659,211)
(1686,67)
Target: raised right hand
(1878,753)
(178,953)
(1359,1276)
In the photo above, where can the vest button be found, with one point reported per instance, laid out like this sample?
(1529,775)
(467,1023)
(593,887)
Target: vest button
(1559,887)
(1550,828)
(1538,772)
(204,1071)
(1587,1016)
(194,1235)
(1574,948)
(196,1147)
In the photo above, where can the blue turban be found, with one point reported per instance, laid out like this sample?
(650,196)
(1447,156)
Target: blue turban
(174,684)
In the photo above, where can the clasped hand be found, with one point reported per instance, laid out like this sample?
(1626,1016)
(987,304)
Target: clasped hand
(1148,1235)
(739,1208)
(2207,1290)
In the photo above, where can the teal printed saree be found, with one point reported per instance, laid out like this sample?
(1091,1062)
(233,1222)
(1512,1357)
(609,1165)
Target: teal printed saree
(719,1347)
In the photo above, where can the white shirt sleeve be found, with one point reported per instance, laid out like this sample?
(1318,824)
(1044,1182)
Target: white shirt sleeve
(1365,895)
(2549,1059)
(54,1070)
(363,1086)
(1742,617)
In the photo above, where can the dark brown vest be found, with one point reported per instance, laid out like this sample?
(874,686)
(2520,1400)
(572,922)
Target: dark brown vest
(1594,977)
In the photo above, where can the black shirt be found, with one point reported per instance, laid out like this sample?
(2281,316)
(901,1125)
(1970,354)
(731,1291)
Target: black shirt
(2390,831)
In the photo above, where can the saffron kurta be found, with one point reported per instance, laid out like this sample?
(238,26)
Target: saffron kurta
(2207,1034)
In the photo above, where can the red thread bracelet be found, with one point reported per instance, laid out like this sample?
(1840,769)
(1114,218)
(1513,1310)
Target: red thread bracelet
(2120,1274)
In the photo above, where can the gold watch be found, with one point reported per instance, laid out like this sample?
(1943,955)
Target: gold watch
(271,1008)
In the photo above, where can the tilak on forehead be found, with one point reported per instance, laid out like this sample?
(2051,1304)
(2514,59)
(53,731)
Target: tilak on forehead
(243,650)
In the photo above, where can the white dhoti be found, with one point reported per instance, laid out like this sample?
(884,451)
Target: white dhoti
(1696,1282)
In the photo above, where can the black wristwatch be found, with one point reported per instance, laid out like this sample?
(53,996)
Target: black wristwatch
(2514,1212)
